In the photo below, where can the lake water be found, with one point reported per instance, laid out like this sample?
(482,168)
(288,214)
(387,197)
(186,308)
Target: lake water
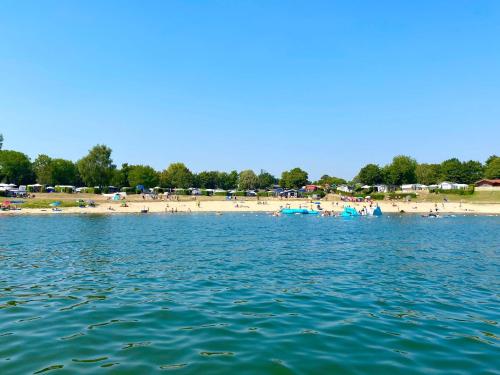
(249,294)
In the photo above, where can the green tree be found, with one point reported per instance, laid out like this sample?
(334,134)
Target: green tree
(492,169)
(120,176)
(428,174)
(330,181)
(143,175)
(472,171)
(402,170)
(1,141)
(452,170)
(207,179)
(64,172)
(15,167)
(96,169)
(490,159)
(247,180)
(227,181)
(265,180)
(294,178)
(370,174)
(177,175)
(42,166)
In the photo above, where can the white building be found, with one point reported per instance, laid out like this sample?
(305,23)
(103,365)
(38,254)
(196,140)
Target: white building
(408,187)
(445,185)
(344,188)
(413,187)
(381,188)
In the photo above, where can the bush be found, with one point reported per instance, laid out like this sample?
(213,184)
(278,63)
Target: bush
(239,194)
(263,194)
(3,193)
(378,196)
(468,191)
(204,193)
(221,193)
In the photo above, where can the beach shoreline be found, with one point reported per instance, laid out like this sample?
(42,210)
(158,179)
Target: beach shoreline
(265,206)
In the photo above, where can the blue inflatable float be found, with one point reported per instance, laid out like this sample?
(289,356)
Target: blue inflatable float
(349,211)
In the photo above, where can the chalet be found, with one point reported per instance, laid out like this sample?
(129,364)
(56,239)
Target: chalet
(488,185)
(344,188)
(311,188)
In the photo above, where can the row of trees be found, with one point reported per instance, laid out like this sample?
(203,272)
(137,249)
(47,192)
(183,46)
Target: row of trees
(97,169)
(406,170)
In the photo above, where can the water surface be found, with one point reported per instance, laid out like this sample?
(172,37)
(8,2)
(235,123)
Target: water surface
(247,293)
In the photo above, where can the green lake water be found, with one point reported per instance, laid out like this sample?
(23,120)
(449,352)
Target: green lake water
(249,294)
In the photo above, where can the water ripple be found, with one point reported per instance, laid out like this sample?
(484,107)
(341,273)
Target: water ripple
(249,294)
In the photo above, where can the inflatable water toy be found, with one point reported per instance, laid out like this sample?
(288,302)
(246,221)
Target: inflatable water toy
(349,211)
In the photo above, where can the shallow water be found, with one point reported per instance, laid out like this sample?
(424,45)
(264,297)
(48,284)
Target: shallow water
(246,293)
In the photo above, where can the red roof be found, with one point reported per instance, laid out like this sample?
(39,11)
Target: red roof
(492,182)
(312,187)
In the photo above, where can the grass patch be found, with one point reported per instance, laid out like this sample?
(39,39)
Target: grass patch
(477,197)
(45,203)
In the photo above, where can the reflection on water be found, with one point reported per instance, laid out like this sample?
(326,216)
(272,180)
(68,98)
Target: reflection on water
(249,294)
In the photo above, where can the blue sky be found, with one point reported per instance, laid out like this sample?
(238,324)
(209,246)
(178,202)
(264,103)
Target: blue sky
(325,85)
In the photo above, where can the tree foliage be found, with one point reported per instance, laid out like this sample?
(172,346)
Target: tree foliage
(15,167)
(96,169)
(402,170)
(370,174)
(143,175)
(490,159)
(472,171)
(265,180)
(451,170)
(42,166)
(177,175)
(294,178)
(50,171)
(492,169)
(428,174)
(64,172)
(247,180)
(329,181)
(227,181)
(1,141)
(207,180)
(454,170)
(120,176)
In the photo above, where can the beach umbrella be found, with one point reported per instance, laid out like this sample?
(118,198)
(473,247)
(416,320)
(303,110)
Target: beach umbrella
(55,204)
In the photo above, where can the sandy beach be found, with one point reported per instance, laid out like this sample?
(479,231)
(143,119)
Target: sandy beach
(155,206)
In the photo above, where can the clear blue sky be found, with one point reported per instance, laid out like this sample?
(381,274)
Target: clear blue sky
(324,85)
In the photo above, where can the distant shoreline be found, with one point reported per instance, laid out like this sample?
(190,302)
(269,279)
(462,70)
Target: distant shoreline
(252,206)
